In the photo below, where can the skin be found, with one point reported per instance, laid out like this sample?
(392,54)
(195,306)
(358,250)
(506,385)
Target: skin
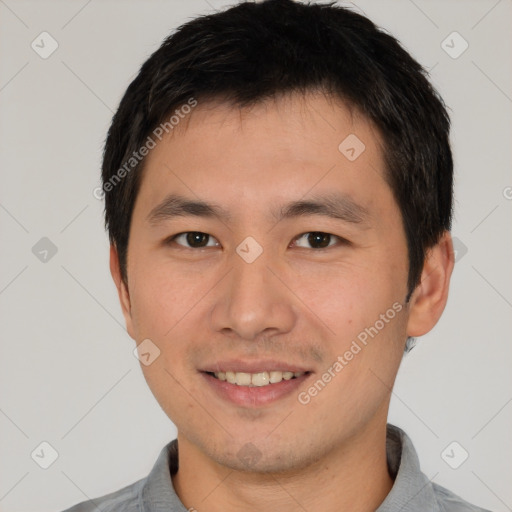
(294,303)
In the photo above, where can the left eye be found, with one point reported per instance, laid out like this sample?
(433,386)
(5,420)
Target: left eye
(317,239)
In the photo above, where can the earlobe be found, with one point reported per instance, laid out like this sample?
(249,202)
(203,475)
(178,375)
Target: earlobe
(430,296)
(122,288)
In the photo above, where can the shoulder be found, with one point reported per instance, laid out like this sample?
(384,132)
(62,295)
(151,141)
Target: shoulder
(125,500)
(450,502)
(144,493)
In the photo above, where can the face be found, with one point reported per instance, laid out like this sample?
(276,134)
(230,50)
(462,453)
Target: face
(297,266)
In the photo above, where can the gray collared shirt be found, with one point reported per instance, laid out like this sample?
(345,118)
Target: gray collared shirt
(412,491)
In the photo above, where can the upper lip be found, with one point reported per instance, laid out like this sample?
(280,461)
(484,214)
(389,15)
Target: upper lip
(256,366)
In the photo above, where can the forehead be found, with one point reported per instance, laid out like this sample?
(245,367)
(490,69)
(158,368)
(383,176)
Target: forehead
(283,148)
(302,121)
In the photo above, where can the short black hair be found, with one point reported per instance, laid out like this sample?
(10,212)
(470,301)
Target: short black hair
(255,51)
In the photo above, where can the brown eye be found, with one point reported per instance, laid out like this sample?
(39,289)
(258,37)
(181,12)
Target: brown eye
(194,239)
(317,240)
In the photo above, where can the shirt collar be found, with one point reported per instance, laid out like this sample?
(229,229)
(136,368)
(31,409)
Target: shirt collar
(157,494)
(411,491)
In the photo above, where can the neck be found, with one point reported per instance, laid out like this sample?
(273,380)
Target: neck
(353,476)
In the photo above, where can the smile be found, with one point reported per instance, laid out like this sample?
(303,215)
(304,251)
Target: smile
(259,379)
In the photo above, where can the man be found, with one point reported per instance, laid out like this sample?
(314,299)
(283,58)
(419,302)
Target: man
(278,195)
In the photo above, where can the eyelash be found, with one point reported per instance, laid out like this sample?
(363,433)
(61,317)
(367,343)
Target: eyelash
(341,241)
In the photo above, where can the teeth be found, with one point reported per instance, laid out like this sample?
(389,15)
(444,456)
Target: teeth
(260,379)
(256,379)
(242,379)
(276,377)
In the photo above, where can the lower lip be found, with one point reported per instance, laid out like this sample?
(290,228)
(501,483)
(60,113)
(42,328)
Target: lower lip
(256,395)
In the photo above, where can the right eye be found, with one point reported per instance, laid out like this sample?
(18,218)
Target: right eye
(194,239)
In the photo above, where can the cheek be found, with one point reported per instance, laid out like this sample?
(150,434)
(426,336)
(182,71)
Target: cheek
(366,321)
(364,357)
(161,298)
(347,298)
(163,304)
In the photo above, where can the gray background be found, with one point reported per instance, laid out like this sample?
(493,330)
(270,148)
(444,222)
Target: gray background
(68,375)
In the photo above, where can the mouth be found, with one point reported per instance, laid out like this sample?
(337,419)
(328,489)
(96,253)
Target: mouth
(259,379)
(254,387)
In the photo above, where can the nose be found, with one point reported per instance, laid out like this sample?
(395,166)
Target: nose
(253,300)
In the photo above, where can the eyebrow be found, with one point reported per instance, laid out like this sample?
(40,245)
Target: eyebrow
(334,205)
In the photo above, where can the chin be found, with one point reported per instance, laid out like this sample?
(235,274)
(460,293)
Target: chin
(264,456)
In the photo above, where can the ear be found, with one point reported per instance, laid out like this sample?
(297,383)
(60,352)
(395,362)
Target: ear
(122,289)
(429,298)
